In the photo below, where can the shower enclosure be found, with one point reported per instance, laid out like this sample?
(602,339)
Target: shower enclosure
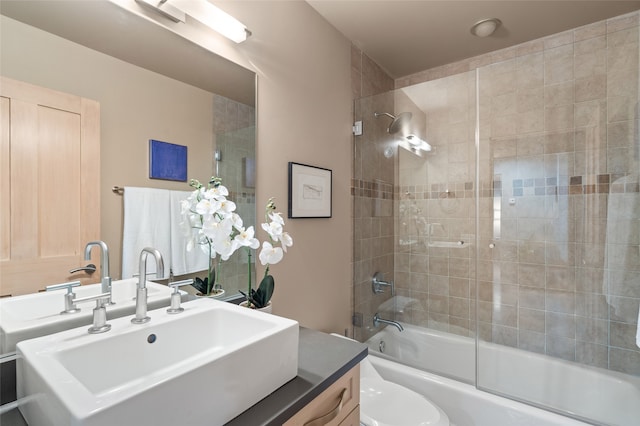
(514,220)
(234,161)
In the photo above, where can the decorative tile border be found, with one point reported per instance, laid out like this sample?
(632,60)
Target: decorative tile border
(371,189)
(242,197)
(563,185)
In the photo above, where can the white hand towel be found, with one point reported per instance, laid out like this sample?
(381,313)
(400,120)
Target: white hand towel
(183,261)
(147,223)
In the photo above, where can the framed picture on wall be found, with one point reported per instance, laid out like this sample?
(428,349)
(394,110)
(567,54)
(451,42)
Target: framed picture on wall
(309,191)
(167,161)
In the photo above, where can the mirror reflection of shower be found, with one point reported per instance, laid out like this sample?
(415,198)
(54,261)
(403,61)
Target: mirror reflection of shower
(400,121)
(417,144)
(400,124)
(217,156)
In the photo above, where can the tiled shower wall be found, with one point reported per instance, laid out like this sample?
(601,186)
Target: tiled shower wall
(558,240)
(435,251)
(559,155)
(372,189)
(234,130)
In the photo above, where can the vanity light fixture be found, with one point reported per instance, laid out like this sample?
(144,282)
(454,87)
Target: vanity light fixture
(203,12)
(485,27)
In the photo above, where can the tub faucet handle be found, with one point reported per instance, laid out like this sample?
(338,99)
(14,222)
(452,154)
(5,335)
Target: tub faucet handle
(378,284)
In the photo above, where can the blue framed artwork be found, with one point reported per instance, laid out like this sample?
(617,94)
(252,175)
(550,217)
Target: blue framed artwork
(167,161)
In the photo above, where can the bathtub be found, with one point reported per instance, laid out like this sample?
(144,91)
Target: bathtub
(595,395)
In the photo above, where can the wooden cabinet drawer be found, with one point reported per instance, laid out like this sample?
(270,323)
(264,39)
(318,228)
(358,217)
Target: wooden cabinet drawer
(353,419)
(333,405)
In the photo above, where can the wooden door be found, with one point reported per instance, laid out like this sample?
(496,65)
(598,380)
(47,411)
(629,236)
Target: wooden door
(50,181)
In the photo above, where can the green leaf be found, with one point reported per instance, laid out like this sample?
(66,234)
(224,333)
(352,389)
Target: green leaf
(200,285)
(265,291)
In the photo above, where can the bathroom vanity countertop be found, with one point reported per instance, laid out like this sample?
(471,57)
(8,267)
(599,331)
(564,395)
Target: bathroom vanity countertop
(322,359)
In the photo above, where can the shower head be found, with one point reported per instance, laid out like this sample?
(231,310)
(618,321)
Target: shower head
(398,120)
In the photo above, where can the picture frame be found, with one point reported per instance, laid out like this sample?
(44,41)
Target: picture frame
(310,191)
(167,161)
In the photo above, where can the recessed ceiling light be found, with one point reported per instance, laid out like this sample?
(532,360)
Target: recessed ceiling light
(485,27)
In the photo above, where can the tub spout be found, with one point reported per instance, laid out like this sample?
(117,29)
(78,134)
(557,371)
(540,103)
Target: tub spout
(377,320)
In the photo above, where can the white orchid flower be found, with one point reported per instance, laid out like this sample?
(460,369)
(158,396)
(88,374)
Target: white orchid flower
(218,192)
(207,207)
(236,220)
(227,206)
(274,230)
(270,255)
(225,247)
(219,230)
(213,228)
(277,218)
(286,241)
(246,238)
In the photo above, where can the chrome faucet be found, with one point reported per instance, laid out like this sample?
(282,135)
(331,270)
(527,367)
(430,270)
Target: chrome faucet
(176,297)
(69,298)
(104,267)
(141,292)
(377,320)
(99,312)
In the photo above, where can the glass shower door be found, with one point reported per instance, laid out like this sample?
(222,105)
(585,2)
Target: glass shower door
(414,195)
(558,276)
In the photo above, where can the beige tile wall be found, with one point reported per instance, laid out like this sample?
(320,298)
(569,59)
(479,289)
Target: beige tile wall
(436,197)
(558,162)
(234,132)
(560,125)
(372,189)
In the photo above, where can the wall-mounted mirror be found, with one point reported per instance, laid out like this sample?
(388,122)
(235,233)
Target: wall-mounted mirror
(150,83)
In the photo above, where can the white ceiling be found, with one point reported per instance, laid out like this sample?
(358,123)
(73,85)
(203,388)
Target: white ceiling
(402,36)
(405,37)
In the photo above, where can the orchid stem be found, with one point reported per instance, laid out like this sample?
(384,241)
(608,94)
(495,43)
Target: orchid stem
(249,268)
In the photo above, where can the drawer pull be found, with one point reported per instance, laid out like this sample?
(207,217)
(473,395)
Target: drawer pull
(332,414)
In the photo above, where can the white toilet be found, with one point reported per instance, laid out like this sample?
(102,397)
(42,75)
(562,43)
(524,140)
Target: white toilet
(384,403)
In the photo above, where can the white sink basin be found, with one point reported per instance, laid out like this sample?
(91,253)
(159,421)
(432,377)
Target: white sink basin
(203,366)
(38,314)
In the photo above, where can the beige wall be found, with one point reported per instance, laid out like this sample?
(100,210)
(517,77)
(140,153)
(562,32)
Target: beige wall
(136,105)
(304,115)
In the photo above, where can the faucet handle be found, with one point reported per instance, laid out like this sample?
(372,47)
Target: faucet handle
(99,312)
(68,285)
(377,283)
(175,296)
(69,303)
(182,283)
(137,274)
